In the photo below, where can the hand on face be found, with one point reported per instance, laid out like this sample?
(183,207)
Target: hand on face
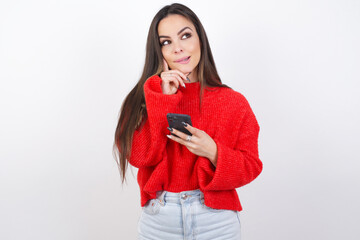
(171,79)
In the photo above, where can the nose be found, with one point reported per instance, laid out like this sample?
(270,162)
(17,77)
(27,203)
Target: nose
(177,47)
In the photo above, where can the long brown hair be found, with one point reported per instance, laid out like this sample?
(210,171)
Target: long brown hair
(133,110)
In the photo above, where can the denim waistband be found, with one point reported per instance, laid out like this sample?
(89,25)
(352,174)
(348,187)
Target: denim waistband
(179,197)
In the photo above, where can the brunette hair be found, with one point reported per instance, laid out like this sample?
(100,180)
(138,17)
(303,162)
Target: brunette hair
(133,110)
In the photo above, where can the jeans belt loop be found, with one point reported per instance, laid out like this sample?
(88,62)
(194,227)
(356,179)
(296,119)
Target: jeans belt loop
(162,198)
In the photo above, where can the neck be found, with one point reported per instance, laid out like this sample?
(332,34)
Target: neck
(193,76)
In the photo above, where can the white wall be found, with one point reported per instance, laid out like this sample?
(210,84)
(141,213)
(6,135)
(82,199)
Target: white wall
(66,66)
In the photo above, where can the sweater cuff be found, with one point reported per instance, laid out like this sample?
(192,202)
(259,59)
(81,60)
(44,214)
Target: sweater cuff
(152,89)
(234,168)
(153,83)
(159,104)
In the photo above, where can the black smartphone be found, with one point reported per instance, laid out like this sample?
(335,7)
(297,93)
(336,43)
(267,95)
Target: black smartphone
(175,121)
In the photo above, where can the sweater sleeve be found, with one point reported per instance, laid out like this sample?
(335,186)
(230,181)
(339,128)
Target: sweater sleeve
(149,141)
(237,166)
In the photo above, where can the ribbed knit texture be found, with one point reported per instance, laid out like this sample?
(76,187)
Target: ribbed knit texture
(164,164)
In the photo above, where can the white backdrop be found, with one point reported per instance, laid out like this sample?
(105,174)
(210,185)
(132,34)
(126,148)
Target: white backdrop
(66,66)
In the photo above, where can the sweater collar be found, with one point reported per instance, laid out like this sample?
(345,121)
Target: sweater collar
(192,87)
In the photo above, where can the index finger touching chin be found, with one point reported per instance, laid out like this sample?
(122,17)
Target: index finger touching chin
(165,65)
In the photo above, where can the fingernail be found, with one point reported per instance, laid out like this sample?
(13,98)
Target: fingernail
(184,123)
(169,136)
(184,85)
(188,79)
(170,129)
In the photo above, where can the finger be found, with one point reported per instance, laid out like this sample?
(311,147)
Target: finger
(182,75)
(181,81)
(174,81)
(180,134)
(193,130)
(168,79)
(165,65)
(178,74)
(181,141)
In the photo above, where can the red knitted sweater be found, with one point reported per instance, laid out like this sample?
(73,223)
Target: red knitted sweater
(164,164)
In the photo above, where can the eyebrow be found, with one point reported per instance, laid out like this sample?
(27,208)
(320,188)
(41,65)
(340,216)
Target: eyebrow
(177,33)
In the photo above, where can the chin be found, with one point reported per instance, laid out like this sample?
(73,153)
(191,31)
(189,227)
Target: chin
(185,69)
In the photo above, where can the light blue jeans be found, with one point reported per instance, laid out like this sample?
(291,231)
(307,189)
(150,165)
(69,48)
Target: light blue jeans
(184,216)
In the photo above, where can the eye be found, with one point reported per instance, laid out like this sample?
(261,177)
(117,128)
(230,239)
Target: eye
(187,35)
(163,43)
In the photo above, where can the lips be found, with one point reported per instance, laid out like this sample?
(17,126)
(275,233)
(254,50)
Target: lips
(184,59)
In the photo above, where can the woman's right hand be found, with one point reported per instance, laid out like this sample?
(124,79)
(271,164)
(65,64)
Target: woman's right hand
(171,79)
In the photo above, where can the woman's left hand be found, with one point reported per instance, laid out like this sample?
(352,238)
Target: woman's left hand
(200,144)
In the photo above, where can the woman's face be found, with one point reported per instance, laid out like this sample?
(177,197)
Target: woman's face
(179,39)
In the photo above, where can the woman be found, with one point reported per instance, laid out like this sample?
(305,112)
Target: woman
(187,183)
